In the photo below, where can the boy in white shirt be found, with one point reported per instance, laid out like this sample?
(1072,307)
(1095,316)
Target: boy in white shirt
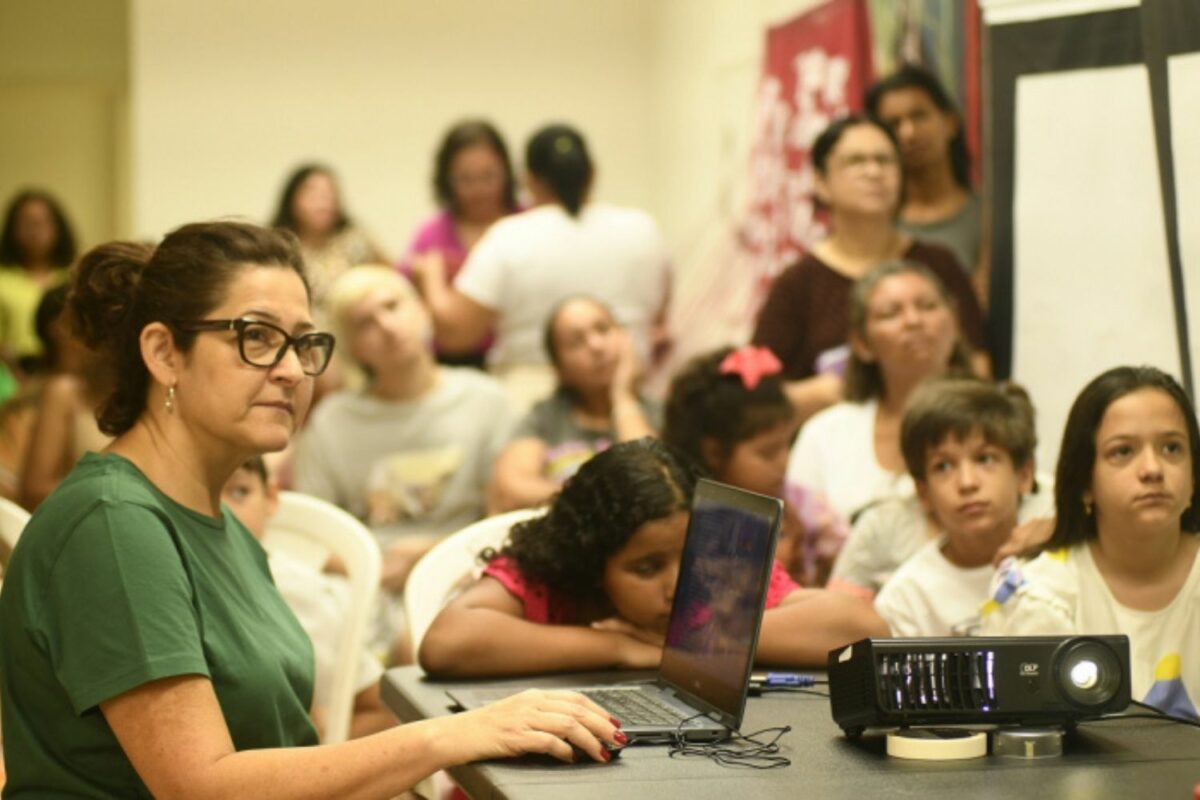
(969,448)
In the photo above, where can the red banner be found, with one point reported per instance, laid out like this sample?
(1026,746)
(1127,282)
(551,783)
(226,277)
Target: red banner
(814,71)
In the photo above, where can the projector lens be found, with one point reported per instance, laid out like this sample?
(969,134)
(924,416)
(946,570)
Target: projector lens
(1085,674)
(1089,673)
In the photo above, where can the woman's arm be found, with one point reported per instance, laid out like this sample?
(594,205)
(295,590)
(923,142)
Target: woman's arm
(484,632)
(518,480)
(461,323)
(46,456)
(173,732)
(801,630)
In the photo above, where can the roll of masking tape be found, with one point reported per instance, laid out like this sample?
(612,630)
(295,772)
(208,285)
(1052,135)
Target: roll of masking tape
(936,744)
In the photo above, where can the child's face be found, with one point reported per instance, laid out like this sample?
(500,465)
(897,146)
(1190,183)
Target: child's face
(639,579)
(972,488)
(759,464)
(250,500)
(1142,478)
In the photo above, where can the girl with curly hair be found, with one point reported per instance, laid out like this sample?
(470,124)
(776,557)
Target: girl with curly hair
(590,584)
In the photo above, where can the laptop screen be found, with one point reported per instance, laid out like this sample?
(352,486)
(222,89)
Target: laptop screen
(723,579)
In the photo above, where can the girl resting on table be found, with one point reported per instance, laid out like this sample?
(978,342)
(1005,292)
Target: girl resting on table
(1122,557)
(590,584)
(146,649)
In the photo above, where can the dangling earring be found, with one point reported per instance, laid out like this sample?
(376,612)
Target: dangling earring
(1087,507)
(169,403)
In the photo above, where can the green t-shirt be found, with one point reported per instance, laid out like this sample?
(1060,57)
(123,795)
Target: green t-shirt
(113,585)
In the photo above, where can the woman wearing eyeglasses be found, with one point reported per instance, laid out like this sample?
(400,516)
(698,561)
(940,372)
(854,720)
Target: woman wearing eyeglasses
(805,320)
(146,651)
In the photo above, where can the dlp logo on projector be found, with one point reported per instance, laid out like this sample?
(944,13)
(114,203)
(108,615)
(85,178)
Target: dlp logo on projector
(1030,669)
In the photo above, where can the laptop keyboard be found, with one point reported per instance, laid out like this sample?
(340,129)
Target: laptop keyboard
(633,707)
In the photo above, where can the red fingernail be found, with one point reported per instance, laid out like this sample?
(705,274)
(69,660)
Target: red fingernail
(616,722)
(607,756)
(621,738)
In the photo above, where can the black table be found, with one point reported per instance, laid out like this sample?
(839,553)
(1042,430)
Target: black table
(1139,759)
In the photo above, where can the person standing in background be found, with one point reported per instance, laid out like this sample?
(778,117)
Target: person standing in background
(474,186)
(36,248)
(565,245)
(330,243)
(939,205)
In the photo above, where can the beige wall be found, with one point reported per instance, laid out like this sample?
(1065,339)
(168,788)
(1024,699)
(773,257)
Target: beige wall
(228,96)
(662,88)
(225,97)
(62,87)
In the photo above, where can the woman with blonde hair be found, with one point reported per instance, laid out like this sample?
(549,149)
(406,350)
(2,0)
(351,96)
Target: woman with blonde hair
(410,452)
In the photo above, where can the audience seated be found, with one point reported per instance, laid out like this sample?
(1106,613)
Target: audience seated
(64,423)
(939,205)
(318,599)
(902,331)
(1122,557)
(804,320)
(590,585)
(729,412)
(36,247)
(411,453)
(969,447)
(565,245)
(596,404)
(474,186)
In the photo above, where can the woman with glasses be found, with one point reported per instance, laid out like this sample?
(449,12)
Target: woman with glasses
(474,186)
(805,320)
(146,650)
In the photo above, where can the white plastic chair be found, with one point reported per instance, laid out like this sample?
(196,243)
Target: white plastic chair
(305,526)
(12,522)
(435,577)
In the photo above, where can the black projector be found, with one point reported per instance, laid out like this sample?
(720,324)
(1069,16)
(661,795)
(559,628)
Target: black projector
(1003,680)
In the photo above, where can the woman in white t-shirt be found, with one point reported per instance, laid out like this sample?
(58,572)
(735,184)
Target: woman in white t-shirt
(564,245)
(902,331)
(1122,558)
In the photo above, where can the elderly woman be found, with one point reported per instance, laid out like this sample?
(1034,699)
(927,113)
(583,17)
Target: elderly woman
(146,650)
(902,331)
(596,405)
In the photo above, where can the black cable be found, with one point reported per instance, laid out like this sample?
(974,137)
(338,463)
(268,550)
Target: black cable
(1157,714)
(740,750)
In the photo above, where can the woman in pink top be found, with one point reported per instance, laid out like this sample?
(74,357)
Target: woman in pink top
(590,585)
(474,185)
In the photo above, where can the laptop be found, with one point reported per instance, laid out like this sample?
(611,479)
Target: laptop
(700,690)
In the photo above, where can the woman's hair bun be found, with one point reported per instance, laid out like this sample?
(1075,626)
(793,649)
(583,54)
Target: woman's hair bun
(104,290)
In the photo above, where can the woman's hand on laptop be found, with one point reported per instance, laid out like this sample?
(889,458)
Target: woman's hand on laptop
(637,648)
(535,721)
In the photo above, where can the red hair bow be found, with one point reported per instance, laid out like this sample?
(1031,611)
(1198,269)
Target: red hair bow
(751,364)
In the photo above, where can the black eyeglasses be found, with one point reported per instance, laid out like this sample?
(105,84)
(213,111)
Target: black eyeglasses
(262,344)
